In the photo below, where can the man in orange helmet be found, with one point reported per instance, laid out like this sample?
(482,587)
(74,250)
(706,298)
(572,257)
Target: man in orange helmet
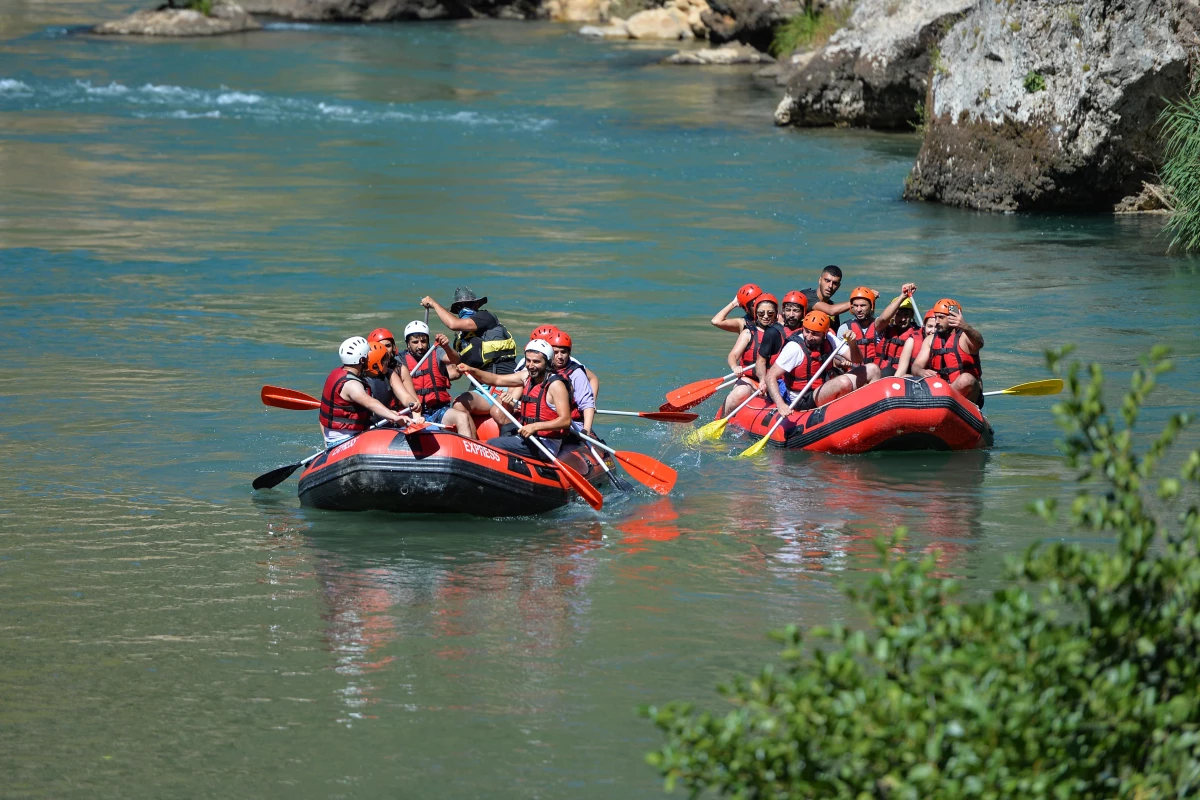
(800,360)
(867,327)
(952,352)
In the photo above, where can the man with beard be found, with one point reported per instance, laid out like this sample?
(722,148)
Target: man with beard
(800,360)
(867,327)
(544,408)
(952,352)
(431,382)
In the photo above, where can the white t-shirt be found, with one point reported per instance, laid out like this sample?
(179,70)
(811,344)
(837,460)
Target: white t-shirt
(792,354)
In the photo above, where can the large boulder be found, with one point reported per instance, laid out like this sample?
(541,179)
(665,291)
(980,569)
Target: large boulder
(1042,104)
(660,23)
(384,10)
(224,16)
(578,10)
(874,72)
(750,21)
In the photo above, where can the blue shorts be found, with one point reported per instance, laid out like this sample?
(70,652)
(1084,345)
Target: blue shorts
(435,416)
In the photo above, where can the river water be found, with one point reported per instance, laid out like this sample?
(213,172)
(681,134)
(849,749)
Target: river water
(182,222)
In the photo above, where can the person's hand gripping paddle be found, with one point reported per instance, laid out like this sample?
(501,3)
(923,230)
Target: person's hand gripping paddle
(588,492)
(713,430)
(757,447)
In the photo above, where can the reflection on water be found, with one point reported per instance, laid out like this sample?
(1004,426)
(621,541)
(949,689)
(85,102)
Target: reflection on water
(183,222)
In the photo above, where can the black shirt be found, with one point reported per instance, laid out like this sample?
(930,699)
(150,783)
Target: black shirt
(772,342)
(834,319)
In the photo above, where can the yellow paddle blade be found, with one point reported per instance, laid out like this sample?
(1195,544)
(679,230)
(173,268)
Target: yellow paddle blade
(755,449)
(1036,388)
(707,433)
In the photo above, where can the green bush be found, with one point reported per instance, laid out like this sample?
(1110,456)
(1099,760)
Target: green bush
(1180,172)
(1034,82)
(1078,678)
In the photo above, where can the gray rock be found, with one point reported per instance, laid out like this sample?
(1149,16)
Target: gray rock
(750,21)
(1151,199)
(225,17)
(659,23)
(385,10)
(874,72)
(733,53)
(1043,104)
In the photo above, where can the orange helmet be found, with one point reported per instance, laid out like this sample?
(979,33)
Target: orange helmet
(929,315)
(379,334)
(863,293)
(560,339)
(379,360)
(796,297)
(766,297)
(817,322)
(748,294)
(543,332)
(946,306)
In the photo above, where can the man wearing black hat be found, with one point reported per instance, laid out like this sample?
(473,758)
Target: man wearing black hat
(482,342)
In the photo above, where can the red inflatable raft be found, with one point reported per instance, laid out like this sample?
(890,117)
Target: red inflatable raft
(437,472)
(890,414)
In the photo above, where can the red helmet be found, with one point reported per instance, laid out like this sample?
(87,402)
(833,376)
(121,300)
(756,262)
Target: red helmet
(863,293)
(946,306)
(748,294)
(765,297)
(929,314)
(560,339)
(379,334)
(796,297)
(543,332)
(817,322)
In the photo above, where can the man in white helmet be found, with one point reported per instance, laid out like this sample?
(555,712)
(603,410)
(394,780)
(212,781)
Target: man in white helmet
(346,402)
(544,406)
(431,381)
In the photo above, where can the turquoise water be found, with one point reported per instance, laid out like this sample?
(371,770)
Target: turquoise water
(182,222)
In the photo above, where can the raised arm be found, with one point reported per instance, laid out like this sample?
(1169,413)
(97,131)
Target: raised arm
(956,321)
(722,321)
(885,316)
(451,321)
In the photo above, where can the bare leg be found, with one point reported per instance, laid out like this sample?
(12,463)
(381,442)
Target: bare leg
(835,388)
(461,422)
(874,373)
(738,396)
(968,386)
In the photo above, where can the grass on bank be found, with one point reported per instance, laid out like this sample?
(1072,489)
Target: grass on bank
(809,30)
(1077,678)
(1180,172)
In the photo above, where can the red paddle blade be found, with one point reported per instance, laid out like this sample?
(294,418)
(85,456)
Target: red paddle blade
(669,416)
(694,393)
(646,470)
(580,484)
(414,428)
(278,397)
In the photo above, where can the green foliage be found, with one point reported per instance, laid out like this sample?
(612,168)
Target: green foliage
(921,126)
(203,6)
(1180,172)
(1079,678)
(807,30)
(936,62)
(1034,82)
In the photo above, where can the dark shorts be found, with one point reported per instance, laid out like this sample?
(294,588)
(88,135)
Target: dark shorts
(525,449)
(888,372)
(806,403)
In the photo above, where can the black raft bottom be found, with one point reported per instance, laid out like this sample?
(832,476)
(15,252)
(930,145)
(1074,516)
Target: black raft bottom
(426,486)
(913,441)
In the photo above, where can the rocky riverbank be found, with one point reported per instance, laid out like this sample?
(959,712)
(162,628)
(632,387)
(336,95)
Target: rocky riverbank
(210,19)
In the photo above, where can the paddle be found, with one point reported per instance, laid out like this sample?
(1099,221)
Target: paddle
(278,475)
(280,397)
(698,392)
(618,482)
(1031,389)
(644,469)
(713,430)
(757,447)
(588,492)
(669,407)
(657,416)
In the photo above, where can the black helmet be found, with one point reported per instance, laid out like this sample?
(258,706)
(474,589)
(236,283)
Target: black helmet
(464,296)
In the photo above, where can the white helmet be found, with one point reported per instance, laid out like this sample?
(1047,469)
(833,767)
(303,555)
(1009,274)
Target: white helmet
(354,350)
(416,326)
(540,346)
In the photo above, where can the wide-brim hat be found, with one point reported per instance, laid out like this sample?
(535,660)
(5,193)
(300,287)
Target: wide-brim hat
(463,296)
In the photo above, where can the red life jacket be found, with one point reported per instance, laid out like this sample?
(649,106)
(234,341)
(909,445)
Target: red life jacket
(867,340)
(808,366)
(337,413)
(566,372)
(891,345)
(750,354)
(535,406)
(432,381)
(948,359)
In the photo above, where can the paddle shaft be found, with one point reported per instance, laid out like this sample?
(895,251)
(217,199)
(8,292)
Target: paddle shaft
(511,418)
